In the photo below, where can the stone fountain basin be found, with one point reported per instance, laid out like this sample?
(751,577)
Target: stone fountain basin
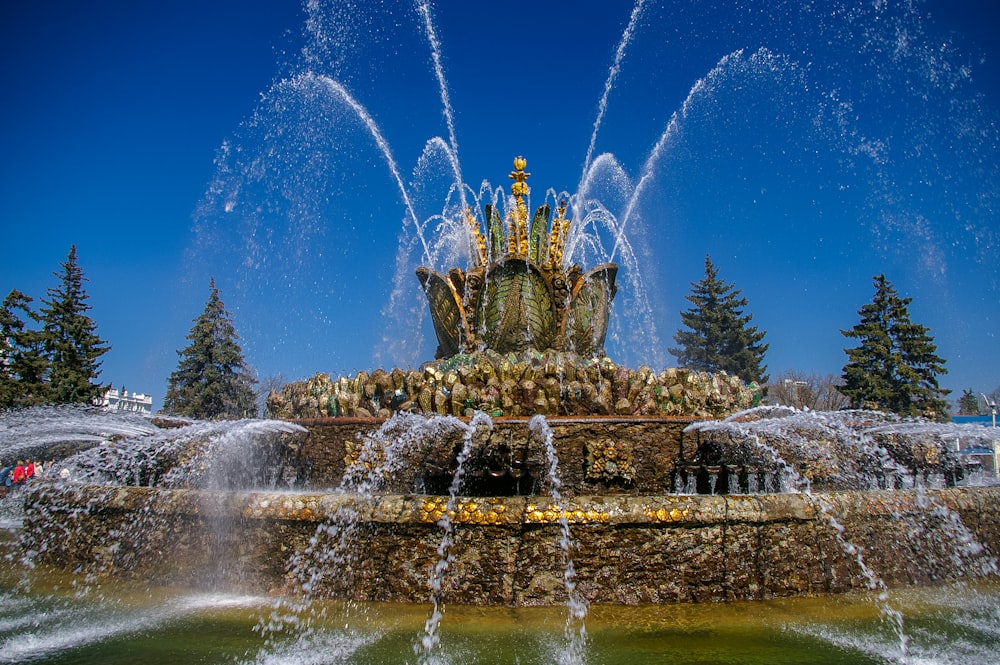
(628,549)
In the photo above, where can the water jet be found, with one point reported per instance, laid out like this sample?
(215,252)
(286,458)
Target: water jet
(519,468)
(436,485)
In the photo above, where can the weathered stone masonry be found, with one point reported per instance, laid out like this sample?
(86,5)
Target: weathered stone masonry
(628,549)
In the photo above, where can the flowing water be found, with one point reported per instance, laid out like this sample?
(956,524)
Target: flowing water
(575,629)
(51,617)
(856,433)
(272,193)
(332,551)
(792,132)
(430,639)
(49,625)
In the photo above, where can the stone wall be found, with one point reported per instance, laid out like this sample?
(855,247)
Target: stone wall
(596,455)
(628,548)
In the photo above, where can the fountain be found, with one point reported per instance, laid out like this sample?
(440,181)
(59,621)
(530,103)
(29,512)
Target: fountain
(521,468)
(563,511)
(516,470)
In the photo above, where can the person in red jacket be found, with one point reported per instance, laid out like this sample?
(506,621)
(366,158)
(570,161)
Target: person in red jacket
(29,469)
(18,474)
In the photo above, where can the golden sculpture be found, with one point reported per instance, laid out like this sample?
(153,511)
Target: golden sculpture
(517,294)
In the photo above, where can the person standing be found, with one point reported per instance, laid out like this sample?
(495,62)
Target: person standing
(5,477)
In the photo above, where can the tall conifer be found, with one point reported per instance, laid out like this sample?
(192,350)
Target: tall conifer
(70,339)
(23,366)
(720,336)
(895,365)
(212,380)
(968,403)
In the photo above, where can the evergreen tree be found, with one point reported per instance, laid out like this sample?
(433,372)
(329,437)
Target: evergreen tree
(70,339)
(211,380)
(22,359)
(721,337)
(968,403)
(895,366)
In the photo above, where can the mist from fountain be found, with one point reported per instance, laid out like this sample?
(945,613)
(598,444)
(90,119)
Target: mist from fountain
(298,627)
(210,455)
(431,639)
(575,629)
(808,433)
(258,186)
(294,184)
(332,552)
(31,432)
(84,445)
(856,449)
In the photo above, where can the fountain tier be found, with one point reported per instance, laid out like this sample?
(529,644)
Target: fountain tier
(550,383)
(362,504)
(628,549)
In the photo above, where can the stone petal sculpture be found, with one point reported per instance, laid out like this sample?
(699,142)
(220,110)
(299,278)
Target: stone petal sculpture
(518,295)
(450,324)
(516,308)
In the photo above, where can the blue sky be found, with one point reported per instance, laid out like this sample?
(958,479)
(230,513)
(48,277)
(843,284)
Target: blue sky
(804,146)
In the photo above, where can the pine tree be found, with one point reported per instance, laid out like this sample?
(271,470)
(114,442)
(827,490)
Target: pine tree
(895,366)
(721,337)
(70,339)
(968,403)
(22,359)
(212,381)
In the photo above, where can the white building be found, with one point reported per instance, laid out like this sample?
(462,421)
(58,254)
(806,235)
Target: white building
(123,400)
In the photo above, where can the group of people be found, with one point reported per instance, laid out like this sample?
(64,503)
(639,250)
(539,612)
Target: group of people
(16,474)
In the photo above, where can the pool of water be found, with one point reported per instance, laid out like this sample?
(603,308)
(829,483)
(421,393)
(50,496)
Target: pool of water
(46,618)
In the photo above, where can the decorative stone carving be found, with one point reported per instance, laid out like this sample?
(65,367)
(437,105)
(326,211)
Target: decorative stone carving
(610,462)
(518,295)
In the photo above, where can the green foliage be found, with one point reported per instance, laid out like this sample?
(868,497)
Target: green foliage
(720,336)
(212,381)
(23,365)
(70,339)
(968,403)
(895,366)
(57,362)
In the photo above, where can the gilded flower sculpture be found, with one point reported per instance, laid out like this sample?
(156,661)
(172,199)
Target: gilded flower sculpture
(518,294)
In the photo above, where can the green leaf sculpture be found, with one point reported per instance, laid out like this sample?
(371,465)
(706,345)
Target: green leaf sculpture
(517,295)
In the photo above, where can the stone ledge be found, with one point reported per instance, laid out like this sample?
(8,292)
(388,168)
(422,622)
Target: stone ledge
(626,548)
(681,510)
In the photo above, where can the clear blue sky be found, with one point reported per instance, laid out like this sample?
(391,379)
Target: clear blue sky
(829,145)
